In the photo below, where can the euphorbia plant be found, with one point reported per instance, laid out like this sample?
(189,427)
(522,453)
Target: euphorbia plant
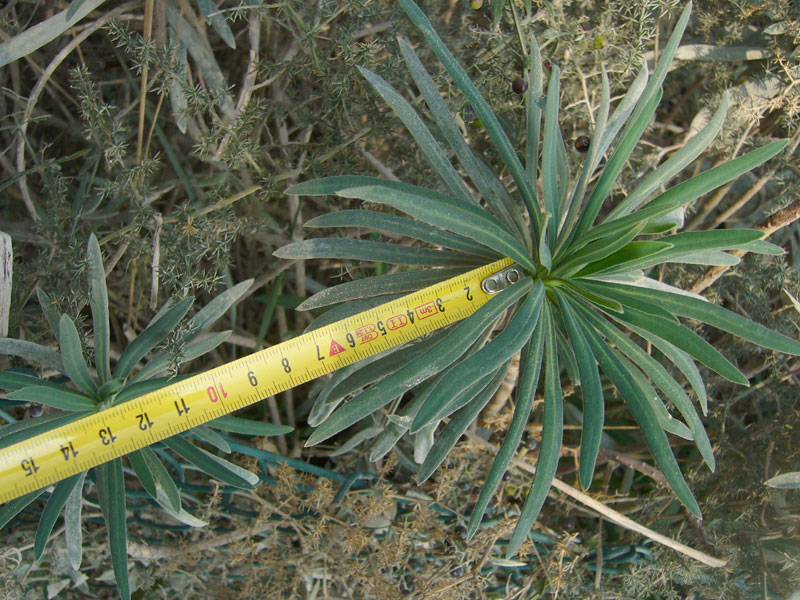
(587,302)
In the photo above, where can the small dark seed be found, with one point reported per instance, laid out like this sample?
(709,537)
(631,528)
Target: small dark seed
(548,65)
(582,143)
(461,531)
(569,524)
(519,85)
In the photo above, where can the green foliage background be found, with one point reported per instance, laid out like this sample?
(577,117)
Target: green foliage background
(260,97)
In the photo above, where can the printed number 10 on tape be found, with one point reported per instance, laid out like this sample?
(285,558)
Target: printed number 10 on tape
(102,436)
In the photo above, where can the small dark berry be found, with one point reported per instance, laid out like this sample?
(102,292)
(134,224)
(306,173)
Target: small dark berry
(461,531)
(548,65)
(520,86)
(582,143)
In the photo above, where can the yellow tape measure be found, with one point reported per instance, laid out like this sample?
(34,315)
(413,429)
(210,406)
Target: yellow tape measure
(102,436)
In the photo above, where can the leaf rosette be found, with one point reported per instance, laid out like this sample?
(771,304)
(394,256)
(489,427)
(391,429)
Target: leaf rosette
(587,299)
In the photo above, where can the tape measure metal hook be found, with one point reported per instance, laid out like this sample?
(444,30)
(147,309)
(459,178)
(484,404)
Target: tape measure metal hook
(502,279)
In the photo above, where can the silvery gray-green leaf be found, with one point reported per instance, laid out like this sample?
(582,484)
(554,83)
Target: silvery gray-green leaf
(32,352)
(386,223)
(72,357)
(98,300)
(391,283)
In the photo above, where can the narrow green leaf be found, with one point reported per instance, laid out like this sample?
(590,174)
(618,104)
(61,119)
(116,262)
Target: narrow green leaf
(649,307)
(479,395)
(214,466)
(73,533)
(193,349)
(210,437)
(425,141)
(177,95)
(437,209)
(356,440)
(109,390)
(625,258)
(72,357)
(98,300)
(714,315)
(674,164)
(654,436)
(686,340)
(573,258)
(552,432)
(61,399)
(14,381)
(533,113)
(591,392)
(505,204)
(143,472)
(665,420)
(32,353)
(549,150)
(161,477)
(151,337)
(482,109)
(248,426)
(441,355)
(686,192)
(683,362)
(374,252)
(45,32)
(12,508)
(50,311)
(641,117)
(392,283)
(579,288)
(27,428)
(348,309)
(217,307)
(545,256)
(762,247)
(73,8)
(687,246)
(111,493)
(659,375)
(397,425)
(630,137)
(485,181)
(216,19)
(349,380)
(51,511)
(485,361)
(786,481)
(386,223)
(530,363)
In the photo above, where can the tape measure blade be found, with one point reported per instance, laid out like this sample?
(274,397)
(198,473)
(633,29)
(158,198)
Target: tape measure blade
(99,437)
